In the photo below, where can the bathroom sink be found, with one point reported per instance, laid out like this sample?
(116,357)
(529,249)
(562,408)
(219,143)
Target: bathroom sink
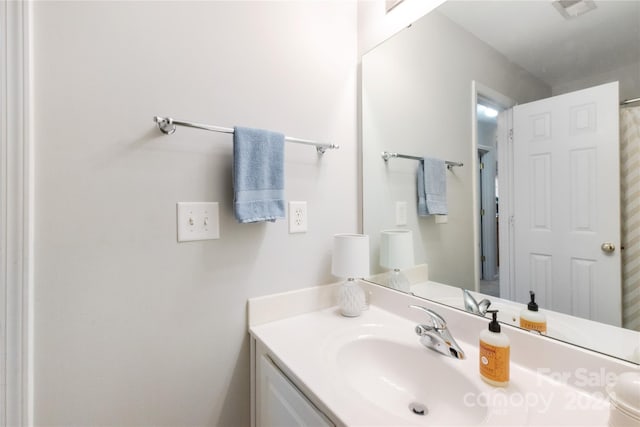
(407,379)
(373,371)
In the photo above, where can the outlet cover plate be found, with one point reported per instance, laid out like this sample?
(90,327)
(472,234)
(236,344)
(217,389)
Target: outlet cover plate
(197,221)
(401,213)
(297,217)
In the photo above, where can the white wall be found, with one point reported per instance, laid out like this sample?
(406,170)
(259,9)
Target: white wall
(132,328)
(628,76)
(375,24)
(417,101)
(487,133)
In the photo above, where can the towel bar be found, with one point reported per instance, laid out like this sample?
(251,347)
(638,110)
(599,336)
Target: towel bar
(168,126)
(630,101)
(386,155)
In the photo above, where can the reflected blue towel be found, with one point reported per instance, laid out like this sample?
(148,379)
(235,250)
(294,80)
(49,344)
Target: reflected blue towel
(432,187)
(258,175)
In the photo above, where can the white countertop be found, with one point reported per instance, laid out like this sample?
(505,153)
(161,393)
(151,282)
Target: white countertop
(305,346)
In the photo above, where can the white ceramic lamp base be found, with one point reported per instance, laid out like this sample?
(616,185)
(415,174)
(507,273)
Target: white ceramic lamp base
(399,281)
(351,299)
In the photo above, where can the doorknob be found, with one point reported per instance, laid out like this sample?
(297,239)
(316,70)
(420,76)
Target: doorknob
(608,247)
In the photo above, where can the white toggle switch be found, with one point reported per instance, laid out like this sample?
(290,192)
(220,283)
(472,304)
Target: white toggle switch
(197,221)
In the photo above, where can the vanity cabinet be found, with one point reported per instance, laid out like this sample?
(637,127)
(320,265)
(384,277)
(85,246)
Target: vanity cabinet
(280,403)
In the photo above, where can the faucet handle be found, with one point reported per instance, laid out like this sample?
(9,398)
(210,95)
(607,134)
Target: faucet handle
(437,320)
(473,306)
(470,303)
(483,306)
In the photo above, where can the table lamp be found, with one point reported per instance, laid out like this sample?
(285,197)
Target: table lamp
(396,253)
(350,260)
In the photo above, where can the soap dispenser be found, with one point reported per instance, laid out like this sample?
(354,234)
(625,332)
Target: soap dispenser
(494,354)
(531,318)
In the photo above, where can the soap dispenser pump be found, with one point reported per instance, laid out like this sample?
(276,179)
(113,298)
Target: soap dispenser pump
(531,319)
(494,353)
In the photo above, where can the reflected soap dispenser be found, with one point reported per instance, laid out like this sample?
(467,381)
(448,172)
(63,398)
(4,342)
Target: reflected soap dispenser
(531,318)
(494,354)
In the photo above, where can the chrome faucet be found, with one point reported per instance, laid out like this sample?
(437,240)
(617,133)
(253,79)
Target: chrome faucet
(436,335)
(473,306)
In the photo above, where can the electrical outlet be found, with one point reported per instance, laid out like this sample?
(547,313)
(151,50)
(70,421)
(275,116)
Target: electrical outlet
(197,221)
(297,217)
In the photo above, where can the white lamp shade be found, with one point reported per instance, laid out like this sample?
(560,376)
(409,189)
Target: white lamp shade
(396,249)
(350,255)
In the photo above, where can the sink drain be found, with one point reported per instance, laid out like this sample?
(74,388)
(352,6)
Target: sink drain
(418,408)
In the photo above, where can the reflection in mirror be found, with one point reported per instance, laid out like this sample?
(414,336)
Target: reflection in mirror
(390,4)
(396,254)
(527,101)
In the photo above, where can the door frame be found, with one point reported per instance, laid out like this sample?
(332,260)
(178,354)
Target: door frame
(16,215)
(506,241)
(479,90)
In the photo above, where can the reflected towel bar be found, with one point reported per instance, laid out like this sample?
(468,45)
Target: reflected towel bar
(386,155)
(168,126)
(630,101)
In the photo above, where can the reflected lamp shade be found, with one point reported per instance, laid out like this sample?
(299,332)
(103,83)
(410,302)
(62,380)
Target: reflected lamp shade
(350,255)
(396,249)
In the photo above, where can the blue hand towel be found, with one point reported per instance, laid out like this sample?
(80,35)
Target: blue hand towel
(432,187)
(258,175)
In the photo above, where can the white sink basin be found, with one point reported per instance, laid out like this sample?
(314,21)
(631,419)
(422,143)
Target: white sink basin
(385,366)
(402,379)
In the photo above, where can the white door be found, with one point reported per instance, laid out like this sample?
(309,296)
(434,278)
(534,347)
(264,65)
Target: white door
(566,203)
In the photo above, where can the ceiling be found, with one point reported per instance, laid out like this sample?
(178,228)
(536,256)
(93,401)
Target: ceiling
(534,35)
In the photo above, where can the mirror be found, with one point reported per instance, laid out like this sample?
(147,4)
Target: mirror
(454,86)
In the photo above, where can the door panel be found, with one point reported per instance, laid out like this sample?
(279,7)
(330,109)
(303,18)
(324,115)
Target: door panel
(566,203)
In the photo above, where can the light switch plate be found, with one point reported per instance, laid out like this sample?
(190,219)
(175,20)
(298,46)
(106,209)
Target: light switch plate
(197,221)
